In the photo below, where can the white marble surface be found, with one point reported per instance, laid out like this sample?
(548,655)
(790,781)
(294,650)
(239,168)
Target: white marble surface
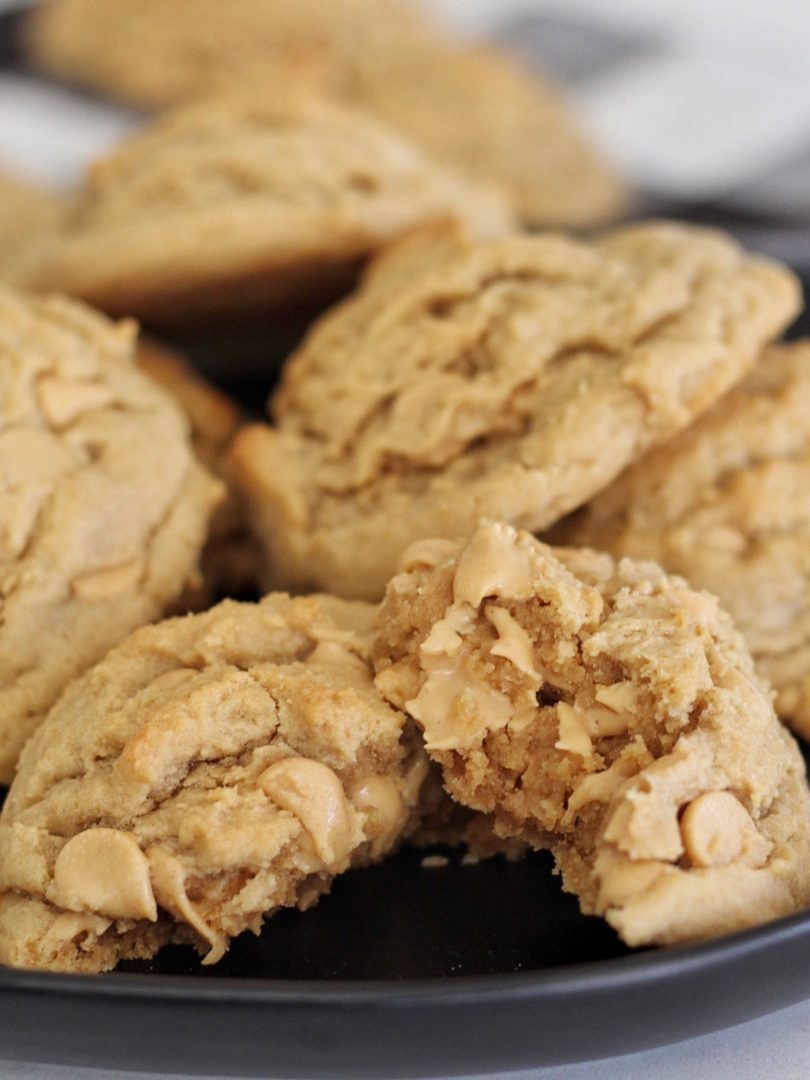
(772,1048)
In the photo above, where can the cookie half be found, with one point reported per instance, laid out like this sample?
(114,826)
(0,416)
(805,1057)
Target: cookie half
(207,772)
(609,713)
(246,203)
(513,378)
(104,508)
(726,505)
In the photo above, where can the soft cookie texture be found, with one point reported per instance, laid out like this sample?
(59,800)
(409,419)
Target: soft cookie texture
(727,505)
(208,771)
(104,509)
(513,378)
(607,712)
(473,108)
(245,202)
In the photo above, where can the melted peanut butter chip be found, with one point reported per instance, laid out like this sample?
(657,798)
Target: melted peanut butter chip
(70,925)
(109,582)
(718,830)
(169,883)
(332,654)
(313,793)
(104,871)
(63,402)
(492,564)
(574,735)
(513,643)
(380,795)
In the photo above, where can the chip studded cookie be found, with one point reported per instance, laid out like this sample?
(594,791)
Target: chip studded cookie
(727,506)
(154,54)
(607,712)
(513,378)
(210,770)
(240,203)
(104,509)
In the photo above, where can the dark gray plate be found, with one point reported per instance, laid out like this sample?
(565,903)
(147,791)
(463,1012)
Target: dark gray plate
(406,971)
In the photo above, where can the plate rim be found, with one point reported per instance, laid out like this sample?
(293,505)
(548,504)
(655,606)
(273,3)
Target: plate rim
(599,976)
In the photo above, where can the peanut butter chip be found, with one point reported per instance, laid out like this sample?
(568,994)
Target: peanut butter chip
(63,402)
(30,456)
(513,643)
(718,830)
(110,582)
(169,883)
(104,871)
(313,793)
(71,925)
(426,553)
(574,736)
(380,796)
(492,564)
(332,654)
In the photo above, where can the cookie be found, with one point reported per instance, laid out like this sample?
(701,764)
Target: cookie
(607,712)
(207,772)
(230,562)
(153,54)
(244,203)
(474,108)
(513,378)
(725,506)
(479,111)
(26,213)
(104,509)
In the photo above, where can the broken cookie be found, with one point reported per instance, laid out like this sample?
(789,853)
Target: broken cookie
(609,713)
(208,771)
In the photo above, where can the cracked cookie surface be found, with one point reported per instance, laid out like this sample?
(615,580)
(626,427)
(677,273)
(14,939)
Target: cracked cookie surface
(208,771)
(243,202)
(726,506)
(513,378)
(609,713)
(104,510)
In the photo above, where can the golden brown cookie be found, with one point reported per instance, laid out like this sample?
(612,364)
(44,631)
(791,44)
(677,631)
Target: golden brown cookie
(512,378)
(231,560)
(474,108)
(727,506)
(607,712)
(477,110)
(104,509)
(26,213)
(153,53)
(244,203)
(207,772)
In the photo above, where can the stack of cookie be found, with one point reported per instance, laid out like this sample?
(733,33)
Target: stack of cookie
(180,769)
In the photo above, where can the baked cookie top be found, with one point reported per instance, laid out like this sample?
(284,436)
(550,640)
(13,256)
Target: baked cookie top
(512,378)
(610,713)
(726,505)
(152,53)
(221,765)
(478,110)
(104,509)
(244,201)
